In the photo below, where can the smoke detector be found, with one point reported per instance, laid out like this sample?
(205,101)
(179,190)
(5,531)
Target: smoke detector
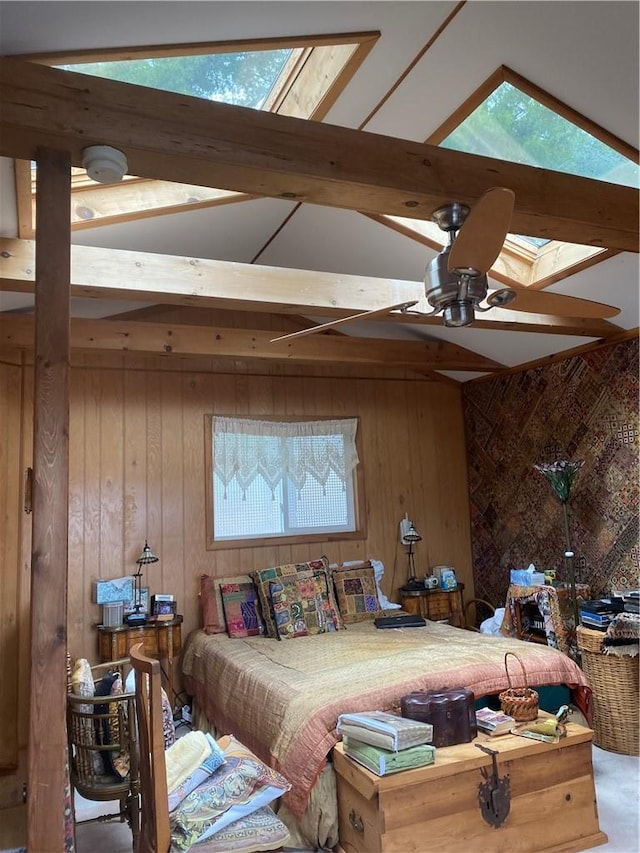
(104,164)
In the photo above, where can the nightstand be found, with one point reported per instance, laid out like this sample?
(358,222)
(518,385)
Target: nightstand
(162,640)
(436,604)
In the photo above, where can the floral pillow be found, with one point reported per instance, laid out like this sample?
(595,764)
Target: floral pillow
(242,609)
(260,830)
(301,605)
(357,593)
(264,577)
(239,787)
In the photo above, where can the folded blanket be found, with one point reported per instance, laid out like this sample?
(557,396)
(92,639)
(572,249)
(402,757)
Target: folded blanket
(202,772)
(185,756)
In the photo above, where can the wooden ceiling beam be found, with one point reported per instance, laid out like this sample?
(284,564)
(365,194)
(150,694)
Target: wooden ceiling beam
(193,141)
(168,280)
(186,340)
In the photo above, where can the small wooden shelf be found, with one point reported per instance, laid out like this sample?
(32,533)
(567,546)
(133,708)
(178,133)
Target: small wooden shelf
(162,640)
(436,604)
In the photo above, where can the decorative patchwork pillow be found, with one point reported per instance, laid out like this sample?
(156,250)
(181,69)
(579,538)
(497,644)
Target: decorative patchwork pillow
(357,593)
(301,605)
(213,620)
(264,577)
(238,788)
(242,609)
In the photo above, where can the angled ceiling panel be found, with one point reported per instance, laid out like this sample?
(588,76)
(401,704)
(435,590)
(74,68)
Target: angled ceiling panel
(233,232)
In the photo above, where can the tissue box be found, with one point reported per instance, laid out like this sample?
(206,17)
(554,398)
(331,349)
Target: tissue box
(523,577)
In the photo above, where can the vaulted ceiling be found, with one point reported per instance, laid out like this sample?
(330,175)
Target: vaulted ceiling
(309,244)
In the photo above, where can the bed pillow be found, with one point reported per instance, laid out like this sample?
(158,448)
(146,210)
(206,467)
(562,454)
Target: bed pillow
(213,621)
(378,569)
(82,685)
(301,605)
(239,787)
(264,577)
(357,593)
(261,830)
(242,609)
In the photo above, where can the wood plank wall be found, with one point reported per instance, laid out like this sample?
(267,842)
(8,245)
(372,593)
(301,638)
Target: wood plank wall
(137,471)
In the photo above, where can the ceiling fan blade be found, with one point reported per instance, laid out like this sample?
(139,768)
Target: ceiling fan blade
(482,235)
(559,305)
(376,312)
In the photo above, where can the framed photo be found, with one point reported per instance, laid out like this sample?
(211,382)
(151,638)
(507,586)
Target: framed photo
(129,606)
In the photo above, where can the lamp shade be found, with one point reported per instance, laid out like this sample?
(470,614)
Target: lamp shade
(412,535)
(147,556)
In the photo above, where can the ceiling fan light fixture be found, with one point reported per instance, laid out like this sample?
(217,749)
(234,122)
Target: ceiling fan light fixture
(458,313)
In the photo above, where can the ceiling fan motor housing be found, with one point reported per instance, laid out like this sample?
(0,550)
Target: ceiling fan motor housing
(445,291)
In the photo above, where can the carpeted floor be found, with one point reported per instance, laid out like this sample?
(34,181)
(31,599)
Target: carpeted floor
(617,779)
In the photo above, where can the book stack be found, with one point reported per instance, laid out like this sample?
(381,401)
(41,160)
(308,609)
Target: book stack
(494,723)
(386,743)
(599,612)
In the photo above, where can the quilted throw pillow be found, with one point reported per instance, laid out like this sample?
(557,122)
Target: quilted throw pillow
(264,577)
(301,605)
(357,593)
(242,609)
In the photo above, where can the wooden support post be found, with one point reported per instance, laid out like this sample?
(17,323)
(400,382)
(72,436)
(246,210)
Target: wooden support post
(47,725)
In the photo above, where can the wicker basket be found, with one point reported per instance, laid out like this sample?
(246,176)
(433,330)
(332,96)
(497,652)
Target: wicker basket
(614,682)
(521,703)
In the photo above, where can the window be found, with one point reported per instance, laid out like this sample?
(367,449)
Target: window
(511,119)
(296,76)
(292,480)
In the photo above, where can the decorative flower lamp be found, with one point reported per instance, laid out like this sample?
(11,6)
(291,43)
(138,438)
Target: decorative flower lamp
(561,474)
(137,616)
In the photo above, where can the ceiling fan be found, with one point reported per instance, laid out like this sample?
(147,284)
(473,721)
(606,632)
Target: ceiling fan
(456,279)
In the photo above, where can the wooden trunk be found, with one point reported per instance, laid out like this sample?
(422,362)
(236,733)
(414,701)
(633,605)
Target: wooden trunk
(553,801)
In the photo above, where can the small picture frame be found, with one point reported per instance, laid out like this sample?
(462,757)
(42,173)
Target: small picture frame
(163,605)
(129,606)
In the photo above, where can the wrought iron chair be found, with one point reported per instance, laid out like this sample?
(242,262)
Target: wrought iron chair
(103,749)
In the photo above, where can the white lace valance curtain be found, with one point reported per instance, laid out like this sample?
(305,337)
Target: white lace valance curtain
(244,449)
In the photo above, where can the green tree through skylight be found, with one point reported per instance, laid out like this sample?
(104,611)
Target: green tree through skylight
(242,79)
(511,125)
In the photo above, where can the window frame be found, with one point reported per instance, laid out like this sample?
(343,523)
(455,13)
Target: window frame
(359,500)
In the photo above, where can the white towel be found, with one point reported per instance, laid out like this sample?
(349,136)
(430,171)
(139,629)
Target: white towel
(185,756)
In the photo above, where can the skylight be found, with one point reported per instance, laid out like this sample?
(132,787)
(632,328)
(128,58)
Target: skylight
(294,76)
(243,79)
(520,123)
(514,126)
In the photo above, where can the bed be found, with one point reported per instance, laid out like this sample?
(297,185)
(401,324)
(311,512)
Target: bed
(282,698)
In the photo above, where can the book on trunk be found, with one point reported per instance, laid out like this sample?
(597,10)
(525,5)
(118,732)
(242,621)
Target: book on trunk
(494,722)
(388,731)
(382,762)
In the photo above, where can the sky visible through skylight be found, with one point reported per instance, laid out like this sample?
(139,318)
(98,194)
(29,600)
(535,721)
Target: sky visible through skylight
(511,125)
(243,79)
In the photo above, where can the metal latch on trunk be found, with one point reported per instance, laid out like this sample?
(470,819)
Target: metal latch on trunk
(494,794)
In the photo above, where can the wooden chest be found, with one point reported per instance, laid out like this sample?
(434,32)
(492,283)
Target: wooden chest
(436,808)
